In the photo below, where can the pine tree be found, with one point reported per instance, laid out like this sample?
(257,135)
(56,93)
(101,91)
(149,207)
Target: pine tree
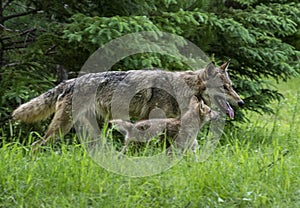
(250,33)
(261,37)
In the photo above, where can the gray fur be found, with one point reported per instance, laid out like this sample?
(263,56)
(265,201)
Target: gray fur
(145,87)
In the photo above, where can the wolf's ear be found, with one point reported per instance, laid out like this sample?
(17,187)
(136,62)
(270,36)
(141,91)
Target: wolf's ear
(202,104)
(224,66)
(210,70)
(194,101)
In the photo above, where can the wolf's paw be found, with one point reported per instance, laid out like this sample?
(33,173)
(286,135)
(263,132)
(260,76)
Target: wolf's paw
(37,145)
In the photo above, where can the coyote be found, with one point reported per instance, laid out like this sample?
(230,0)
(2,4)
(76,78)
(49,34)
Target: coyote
(179,130)
(107,93)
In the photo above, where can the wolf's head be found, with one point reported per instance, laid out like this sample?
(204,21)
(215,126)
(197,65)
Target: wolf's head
(141,131)
(218,88)
(124,127)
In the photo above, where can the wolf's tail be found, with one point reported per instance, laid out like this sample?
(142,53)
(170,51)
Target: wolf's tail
(39,108)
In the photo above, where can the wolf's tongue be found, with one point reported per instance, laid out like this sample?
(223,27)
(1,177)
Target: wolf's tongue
(230,110)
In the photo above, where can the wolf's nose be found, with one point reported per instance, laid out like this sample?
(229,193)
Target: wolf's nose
(241,103)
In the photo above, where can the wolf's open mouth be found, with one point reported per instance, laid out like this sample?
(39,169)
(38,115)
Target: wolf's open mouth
(224,106)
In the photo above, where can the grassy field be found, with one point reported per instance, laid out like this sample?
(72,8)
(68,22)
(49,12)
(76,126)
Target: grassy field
(257,165)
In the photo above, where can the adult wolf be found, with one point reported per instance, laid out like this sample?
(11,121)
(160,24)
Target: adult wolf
(169,91)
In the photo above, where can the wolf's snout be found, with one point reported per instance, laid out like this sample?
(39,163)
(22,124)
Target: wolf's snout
(241,103)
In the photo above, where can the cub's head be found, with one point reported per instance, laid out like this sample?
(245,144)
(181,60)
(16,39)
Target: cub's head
(202,110)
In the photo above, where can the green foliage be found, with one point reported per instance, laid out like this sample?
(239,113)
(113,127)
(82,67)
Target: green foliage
(99,30)
(257,167)
(260,37)
(250,34)
(21,84)
(24,84)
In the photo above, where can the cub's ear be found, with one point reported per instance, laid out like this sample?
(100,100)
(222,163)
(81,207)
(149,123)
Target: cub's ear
(210,70)
(224,66)
(121,125)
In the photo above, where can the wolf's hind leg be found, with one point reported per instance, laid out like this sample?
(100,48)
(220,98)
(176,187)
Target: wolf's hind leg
(60,124)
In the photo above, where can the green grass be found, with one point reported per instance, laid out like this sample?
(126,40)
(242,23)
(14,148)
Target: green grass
(257,165)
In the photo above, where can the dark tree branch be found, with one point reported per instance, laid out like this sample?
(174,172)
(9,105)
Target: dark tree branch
(6,38)
(12,64)
(25,45)
(50,49)
(9,39)
(1,8)
(5,28)
(27,31)
(11,43)
(17,31)
(20,14)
